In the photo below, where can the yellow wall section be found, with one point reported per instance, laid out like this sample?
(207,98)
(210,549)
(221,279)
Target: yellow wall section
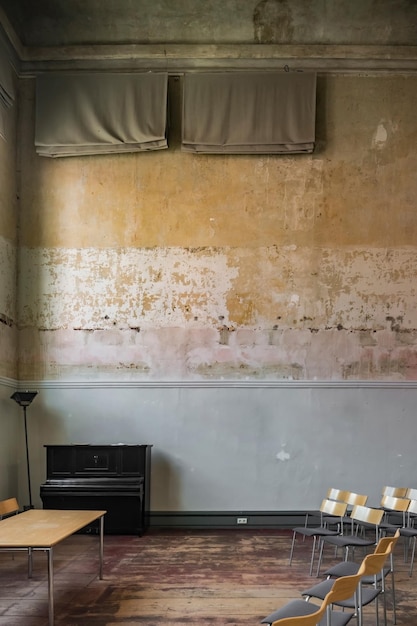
(174,265)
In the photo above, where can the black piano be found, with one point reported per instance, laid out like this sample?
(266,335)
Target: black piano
(115,478)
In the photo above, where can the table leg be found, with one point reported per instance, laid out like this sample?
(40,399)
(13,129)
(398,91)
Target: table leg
(50,586)
(30,562)
(101,546)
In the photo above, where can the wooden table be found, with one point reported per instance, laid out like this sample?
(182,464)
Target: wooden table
(42,529)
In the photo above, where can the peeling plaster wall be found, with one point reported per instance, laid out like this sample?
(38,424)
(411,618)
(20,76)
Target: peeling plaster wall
(8,245)
(176,266)
(140,269)
(9,424)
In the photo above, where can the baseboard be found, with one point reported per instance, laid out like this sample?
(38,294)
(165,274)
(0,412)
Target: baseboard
(227,519)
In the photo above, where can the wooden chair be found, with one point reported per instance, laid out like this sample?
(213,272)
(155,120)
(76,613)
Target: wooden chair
(410,533)
(351,499)
(8,507)
(362,518)
(349,568)
(337,512)
(332,494)
(304,613)
(371,565)
(395,511)
(395,492)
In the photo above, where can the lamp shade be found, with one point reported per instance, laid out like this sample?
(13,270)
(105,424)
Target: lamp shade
(24,398)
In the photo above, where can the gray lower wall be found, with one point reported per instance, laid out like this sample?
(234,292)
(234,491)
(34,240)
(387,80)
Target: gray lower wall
(222,448)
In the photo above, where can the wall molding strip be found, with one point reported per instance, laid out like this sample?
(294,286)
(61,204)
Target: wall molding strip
(207,384)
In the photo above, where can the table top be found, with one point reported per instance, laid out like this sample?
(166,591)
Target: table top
(43,528)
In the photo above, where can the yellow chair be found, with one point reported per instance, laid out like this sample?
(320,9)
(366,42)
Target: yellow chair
(302,613)
(8,507)
(395,492)
(371,566)
(395,510)
(349,568)
(410,533)
(337,511)
(361,517)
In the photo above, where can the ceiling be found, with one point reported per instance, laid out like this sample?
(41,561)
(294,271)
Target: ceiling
(40,23)
(179,35)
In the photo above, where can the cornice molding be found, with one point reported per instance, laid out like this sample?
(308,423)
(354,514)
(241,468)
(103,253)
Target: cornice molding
(179,58)
(207,384)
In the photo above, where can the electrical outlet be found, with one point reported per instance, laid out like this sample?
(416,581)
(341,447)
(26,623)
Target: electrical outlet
(242,520)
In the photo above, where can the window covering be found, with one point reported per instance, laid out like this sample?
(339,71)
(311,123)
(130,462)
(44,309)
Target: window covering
(86,114)
(7,90)
(7,87)
(249,113)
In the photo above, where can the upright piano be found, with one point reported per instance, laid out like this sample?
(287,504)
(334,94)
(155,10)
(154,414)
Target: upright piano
(115,478)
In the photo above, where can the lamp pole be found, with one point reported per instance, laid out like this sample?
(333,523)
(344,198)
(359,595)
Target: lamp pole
(24,399)
(27,457)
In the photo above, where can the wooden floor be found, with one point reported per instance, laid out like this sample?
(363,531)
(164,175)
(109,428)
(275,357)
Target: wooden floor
(172,578)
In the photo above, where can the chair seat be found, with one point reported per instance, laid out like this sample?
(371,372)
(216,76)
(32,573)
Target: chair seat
(408,532)
(292,608)
(349,568)
(322,589)
(301,607)
(318,531)
(345,541)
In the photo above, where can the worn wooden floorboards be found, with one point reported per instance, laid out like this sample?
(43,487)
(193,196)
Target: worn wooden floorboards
(173,578)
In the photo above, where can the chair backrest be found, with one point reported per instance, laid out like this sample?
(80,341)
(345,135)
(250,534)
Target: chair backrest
(412,507)
(355,498)
(411,494)
(304,620)
(337,494)
(372,564)
(395,492)
(332,507)
(343,588)
(395,504)
(8,507)
(387,544)
(366,515)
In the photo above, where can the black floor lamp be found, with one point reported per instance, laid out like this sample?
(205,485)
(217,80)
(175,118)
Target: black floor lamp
(24,399)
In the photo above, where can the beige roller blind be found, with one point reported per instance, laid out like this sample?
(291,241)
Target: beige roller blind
(249,113)
(100,113)
(7,87)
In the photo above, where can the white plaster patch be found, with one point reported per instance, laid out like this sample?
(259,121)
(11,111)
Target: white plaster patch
(380,137)
(283,456)
(7,278)
(122,288)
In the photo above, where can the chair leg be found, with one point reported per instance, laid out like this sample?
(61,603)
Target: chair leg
(412,556)
(313,551)
(292,546)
